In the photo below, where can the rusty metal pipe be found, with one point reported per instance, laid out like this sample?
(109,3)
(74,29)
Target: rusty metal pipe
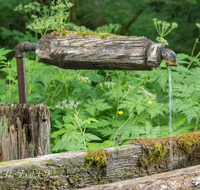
(20,50)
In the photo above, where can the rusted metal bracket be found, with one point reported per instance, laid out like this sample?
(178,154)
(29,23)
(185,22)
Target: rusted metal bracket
(20,50)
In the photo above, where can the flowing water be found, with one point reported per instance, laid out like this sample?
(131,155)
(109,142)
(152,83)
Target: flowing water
(170,119)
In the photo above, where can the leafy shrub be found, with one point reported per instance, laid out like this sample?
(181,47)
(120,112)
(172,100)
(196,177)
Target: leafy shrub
(115,106)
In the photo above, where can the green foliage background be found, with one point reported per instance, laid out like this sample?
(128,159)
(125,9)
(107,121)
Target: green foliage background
(115,106)
(94,13)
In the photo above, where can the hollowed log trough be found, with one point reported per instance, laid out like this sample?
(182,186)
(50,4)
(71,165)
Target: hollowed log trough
(114,168)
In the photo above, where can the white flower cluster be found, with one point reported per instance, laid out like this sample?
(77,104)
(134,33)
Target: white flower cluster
(83,79)
(64,105)
(164,23)
(145,92)
(109,84)
(162,40)
(130,87)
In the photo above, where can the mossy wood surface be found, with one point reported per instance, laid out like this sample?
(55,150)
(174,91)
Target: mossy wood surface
(76,50)
(24,131)
(81,169)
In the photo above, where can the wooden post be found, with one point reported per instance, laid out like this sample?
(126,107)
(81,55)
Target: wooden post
(24,131)
(76,50)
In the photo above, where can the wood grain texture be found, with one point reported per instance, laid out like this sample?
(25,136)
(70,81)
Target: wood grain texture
(68,170)
(91,52)
(24,131)
(182,179)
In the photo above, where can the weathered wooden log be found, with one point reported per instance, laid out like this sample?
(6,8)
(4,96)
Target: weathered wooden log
(76,50)
(185,179)
(80,169)
(24,131)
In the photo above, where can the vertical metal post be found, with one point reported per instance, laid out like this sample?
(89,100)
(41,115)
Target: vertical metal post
(21,80)
(20,55)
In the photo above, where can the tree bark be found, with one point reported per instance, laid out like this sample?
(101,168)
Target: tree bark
(24,131)
(72,51)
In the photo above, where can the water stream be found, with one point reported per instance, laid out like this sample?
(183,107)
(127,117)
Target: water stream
(170,119)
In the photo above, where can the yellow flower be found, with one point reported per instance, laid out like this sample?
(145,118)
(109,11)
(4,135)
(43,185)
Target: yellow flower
(120,112)
(161,104)
(150,102)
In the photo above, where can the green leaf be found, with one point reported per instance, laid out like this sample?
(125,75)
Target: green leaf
(58,146)
(184,107)
(148,128)
(179,121)
(106,144)
(96,104)
(36,95)
(60,132)
(58,124)
(93,146)
(162,80)
(100,123)
(67,118)
(66,138)
(95,77)
(190,114)
(164,131)
(92,137)
(3,52)
(56,114)
(69,126)
(185,129)
(156,131)
(72,145)
(140,108)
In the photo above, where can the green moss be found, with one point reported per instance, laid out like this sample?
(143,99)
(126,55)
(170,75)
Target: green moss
(156,152)
(7,163)
(98,158)
(83,34)
(48,162)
